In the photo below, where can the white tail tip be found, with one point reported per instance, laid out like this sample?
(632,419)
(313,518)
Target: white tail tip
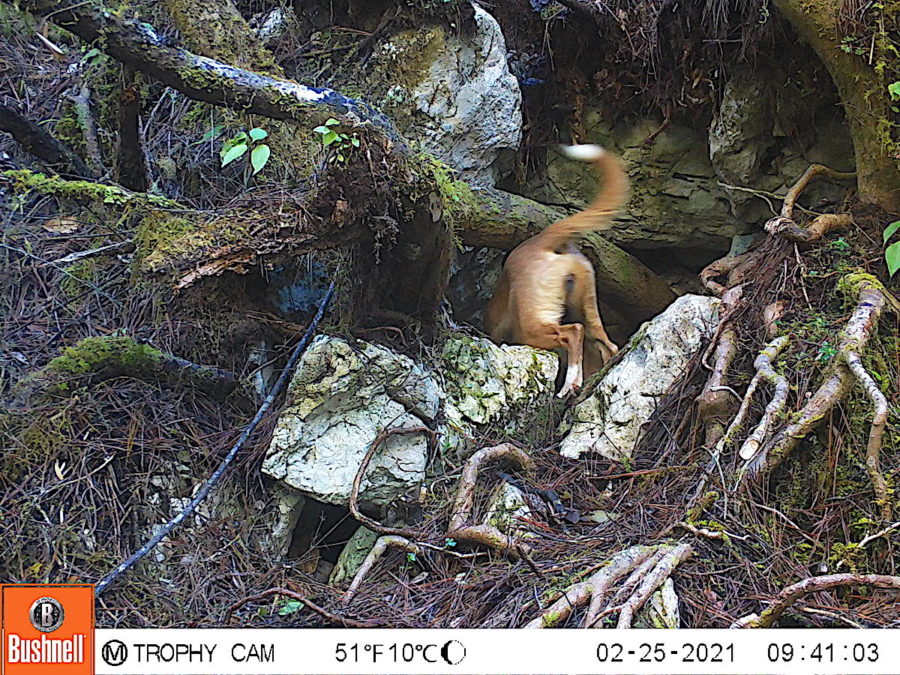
(586,153)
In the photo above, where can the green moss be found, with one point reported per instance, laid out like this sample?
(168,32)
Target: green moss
(157,233)
(24,181)
(84,270)
(101,353)
(852,284)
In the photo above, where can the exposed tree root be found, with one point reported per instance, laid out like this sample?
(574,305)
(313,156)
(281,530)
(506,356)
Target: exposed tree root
(381,545)
(372,524)
(647,566)
(484,535)
(871,302)
(775,407)
(794,592)
(715,403)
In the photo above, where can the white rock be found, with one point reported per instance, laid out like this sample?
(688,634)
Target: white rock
(470,104)
(609,421)
(341,397)
(502,386)
(507,506)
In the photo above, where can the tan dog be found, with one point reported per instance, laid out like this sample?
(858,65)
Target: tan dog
(547,281)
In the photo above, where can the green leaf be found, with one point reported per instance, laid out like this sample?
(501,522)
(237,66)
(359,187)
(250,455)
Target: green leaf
(258,134)
(233,153)
(259,157)
(355,142)
(329,138)
(892,258)
(330,122)
(212,133)
(290,607)
(891,230)
(322,130)
(894,91)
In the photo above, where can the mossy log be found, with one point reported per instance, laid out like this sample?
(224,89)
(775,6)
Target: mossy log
(136,44)
(96,359)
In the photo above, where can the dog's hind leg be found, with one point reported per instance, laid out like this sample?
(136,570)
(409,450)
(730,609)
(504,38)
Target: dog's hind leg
(584,298)
(568,336)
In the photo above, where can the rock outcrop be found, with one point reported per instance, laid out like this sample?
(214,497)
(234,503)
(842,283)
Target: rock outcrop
(453,92)
(609,421)
(341,397)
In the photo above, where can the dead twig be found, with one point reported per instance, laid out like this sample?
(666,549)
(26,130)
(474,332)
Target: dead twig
(118,247)
(211,482)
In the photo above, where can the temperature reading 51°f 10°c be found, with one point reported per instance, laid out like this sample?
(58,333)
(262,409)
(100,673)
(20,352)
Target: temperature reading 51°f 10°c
(451,652)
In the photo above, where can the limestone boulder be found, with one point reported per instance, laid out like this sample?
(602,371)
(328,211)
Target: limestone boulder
(609,421)
(452,90)
(503,388)
(341,397)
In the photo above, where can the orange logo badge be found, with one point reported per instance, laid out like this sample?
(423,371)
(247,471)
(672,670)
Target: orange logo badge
(46,630)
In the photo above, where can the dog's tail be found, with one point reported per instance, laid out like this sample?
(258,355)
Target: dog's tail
(599,214)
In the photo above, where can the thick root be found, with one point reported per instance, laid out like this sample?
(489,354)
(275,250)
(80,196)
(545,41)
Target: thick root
(484,535)
(872,299)
(647,568)
(794,592)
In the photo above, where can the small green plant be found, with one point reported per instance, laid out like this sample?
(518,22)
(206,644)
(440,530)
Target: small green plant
(892,252)
(894,91)
(342,143)
(839,245)
(449,542)
(411,557)
(826,352)
(238,146)
(290,607)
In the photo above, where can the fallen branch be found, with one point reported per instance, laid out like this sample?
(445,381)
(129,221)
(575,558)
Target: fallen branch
(372,524)
(138,45)
(321,611)
(39,143)
(381,545)
(792,593)
(211,482)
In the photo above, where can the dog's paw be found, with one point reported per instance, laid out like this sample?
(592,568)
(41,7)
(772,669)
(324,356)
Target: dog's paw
(568,390)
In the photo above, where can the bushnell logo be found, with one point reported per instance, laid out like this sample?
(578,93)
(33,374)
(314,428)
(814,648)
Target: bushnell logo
(46,614)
